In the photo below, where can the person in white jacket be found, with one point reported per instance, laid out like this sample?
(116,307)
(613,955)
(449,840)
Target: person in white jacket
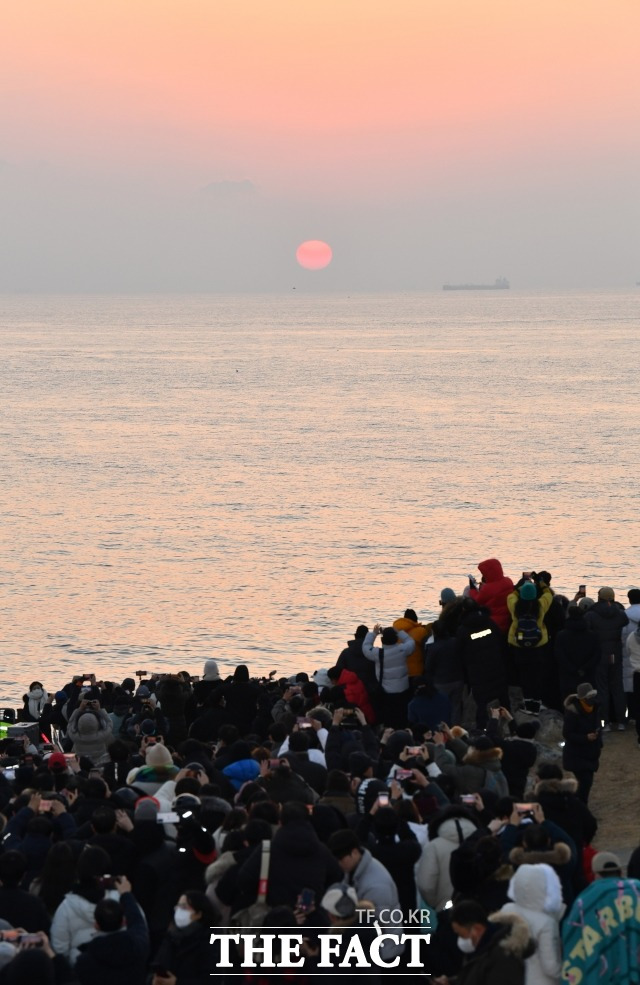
(446,833)
(73,922)
(631,657)
(537,898)
(391,671)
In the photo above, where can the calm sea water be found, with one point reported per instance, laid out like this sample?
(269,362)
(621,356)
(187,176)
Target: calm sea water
(250,478)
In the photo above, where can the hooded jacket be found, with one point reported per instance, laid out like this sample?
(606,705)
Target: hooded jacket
(446,833)
(580,753)
(91,733)
(501,954)
(419,634)
(560,803)
(73,924)
(493,592)
(537,898)
(395,679)
(607,620)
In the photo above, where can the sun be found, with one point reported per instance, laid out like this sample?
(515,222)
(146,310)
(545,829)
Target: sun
(313,254)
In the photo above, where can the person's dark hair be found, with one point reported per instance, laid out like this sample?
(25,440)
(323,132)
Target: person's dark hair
(256,831)
(103,820)
(233,842)
(504,807)
(468,912)
(293,811)
(93,862)
(108,915)
(361,632)
(527,607)
(241,674)
(338,782)
(536,838)
(118,751)
(411,614)
(200,903)
(342,843)
(40,825)
(95,789)
(34,684)
(264,810)
(187,784)
(32,965)
(234,819)
(228,734)
(280,916)
(549,771)
(389,636)
(58,875)
(634,596)
(13,866)
(299,742)
(277,732)
(575,612)
(544,576)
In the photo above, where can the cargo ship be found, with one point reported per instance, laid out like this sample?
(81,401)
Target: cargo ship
(500,284)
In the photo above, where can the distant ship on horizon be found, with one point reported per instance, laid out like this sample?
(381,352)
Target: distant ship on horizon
(500,284)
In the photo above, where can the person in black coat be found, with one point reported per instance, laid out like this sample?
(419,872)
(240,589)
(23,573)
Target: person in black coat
(19,907)
(558,797)
(241,699)
(299,861)
(185,956)
(481,648)
(607,619)
(119,952)
(582,735)
(577,652)
(519,751)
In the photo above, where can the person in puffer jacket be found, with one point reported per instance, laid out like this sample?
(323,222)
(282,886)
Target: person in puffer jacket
(537,898)
(493,592)
(91,732)
(447,831)
(397,646)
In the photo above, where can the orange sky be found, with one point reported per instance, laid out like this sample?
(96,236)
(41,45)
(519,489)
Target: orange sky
(302,93)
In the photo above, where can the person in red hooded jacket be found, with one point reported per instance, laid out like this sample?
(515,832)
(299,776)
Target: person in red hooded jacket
(493,591)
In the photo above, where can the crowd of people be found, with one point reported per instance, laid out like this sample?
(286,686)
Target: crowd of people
(408,785)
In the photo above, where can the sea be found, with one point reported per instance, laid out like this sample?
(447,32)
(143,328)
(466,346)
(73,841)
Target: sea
(249,478)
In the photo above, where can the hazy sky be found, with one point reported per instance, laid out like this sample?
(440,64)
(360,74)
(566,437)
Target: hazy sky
(193,144)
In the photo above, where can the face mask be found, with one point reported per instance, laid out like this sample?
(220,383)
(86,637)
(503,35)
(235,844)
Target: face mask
(181,917)
(37,692)
(466,945)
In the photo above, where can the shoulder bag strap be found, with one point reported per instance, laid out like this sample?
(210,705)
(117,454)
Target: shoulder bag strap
(263,882)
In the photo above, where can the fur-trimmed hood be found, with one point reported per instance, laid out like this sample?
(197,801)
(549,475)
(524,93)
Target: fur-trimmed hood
(572,703)
(483,757)
(559,854)
(553,786)
(215,871)
(516,939)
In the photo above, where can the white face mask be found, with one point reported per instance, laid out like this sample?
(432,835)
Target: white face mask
(37,692)
(181,917)
(466,945)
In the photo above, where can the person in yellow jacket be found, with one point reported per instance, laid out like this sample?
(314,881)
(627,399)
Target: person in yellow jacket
(528,637)
(418,633)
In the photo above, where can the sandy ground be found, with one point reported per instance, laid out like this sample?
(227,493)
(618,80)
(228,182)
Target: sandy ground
(615,796)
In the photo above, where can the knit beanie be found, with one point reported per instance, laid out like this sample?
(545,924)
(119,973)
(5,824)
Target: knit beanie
(158,755)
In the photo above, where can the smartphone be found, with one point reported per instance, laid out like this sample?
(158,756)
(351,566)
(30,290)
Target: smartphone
(274,763)
(306,900)
(403,775)
(107,881)
(30,939)
(383,800)
(468,798)
(304,722)
(10,773)
(582,589)
(526,575)
(524,808)
(87,679)
(141,673)
(493,704)
(10,935)
(167,817)
(45,805)
(414,750)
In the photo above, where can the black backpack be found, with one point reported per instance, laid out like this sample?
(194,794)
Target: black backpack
(528,633)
